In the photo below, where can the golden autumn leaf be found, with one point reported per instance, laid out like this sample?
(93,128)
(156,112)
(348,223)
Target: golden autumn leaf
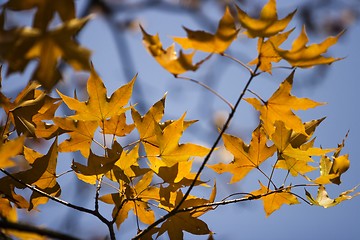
(99,107)
(331,170)
(117,126)
(323,199)
(30,107)
(279,106)
(185,221)
(168,58)
(169,149)
(267,51)
(304,56)
(294,159)
(10,149)
(97,165)
(246,157)
(225,34)
(81,135)
(273,200)
(48,47)
(124,203)
(42,174)
(45,10)
(267,25)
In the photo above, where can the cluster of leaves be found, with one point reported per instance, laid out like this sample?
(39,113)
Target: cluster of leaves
(153,175)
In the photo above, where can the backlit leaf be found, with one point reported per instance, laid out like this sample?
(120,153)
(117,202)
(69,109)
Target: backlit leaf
(323,199)
(99,107)
(246,157)
(212,43)
(279,107)
(273,200)
(267,25)
(304,56)
(168,58)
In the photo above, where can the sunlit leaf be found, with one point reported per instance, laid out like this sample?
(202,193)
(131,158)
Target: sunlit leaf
(273,200)
(246,157)
(279,106)
(212,43)
(304,56)
(267,25)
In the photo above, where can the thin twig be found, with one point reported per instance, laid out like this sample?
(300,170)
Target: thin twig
(239,62)
(231,115)
(207,88)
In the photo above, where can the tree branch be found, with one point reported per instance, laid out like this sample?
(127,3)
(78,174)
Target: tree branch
(36,230)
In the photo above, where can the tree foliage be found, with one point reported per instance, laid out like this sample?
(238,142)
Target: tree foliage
(153,177)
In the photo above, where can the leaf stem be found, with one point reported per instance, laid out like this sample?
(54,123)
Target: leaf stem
(207,88)
(240,62)
(227,123)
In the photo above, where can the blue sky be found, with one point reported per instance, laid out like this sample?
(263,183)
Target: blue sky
(338,86)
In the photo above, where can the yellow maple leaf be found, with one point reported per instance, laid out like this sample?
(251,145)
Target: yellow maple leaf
(212,43)
(97,165)
(169,149)
(267,25)
(126,202)
(294,159)
(323,199)
(81,135)
(10,149)
(267,51)
(168,58)
(279,107)
(117,126)
(99,107)
(304,56)
(246,157)
(273,200)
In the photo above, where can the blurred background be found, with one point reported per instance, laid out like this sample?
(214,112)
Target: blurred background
(118,54)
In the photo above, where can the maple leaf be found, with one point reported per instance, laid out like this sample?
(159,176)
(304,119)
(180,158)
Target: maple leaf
(267,51)
(295,160)
(10,149)
(267,25)
(169,149)
(81,135)
(46,46)
(323,199)
(304,56)
(246,157)
(331,171)
(212,43)
(185,221)
(99,107)
(97,165)
(273,200)
(117,126)
(279,107)
(29,109)
(45,10)
(42,174)
(167,58)
(124,203)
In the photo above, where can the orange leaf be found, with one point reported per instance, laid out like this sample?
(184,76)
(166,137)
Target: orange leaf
(279,107)
(304,56)
(99,107)
(212,43)
(246,157)
(81,135)
(273,200)
(267,25)
(167,58)
(10,149)
(267,51)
